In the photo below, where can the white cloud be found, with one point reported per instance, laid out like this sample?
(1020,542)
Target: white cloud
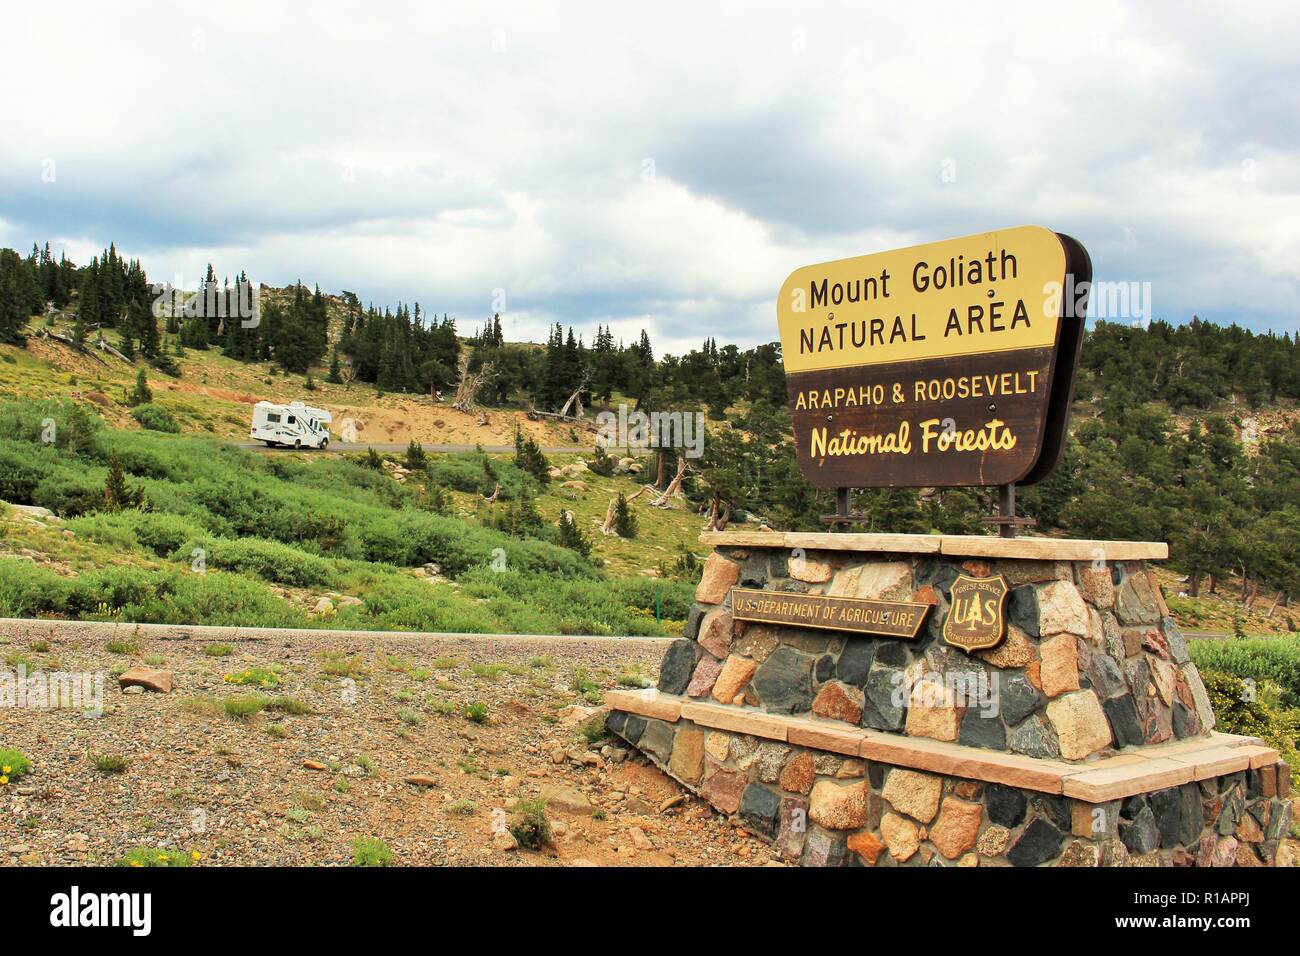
(413,152)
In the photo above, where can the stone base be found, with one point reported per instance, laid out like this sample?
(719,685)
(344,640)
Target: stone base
(1084,738)
(827,809)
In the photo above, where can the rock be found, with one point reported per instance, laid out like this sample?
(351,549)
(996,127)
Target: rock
(314,765)
(784,681)
(1204,712)
(718,746)
(719,577)
(1033,738)
(1125,725)
(1017,698)
(823,849)
(1037,844)
(838,806)
(767,759)
(797,777)
(931,711)
(1135,602)
(1006,805)
(1106,676)
(1080,723)
(421,780)
(1141,834)
(640,840)
(1079,853)
(957,827)
(687,763)
(1060,665)
(504,841)
(706,674)
(1096,586)
(993,841)
(1061,610)
(794,827)
(913,793)
(716,632)
(735,674)
(1022,609)
(576,485)
(877,581)
(977,730)
(902,836)
(133,689)
(567,799)
(761,809)
(1016,650)
(855,661)
(723,789)
(159,681)
(866,845)
(802,567)
(839,701)
(758,642)
(657,739)
(677,666)
(323,606)
(886,698)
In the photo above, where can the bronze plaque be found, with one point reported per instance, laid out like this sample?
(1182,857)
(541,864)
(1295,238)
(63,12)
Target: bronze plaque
(946,364)
(889,618)
(977,616)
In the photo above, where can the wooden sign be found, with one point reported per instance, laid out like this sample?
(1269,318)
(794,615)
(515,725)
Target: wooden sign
(890,618)
(977,616)
(945,364)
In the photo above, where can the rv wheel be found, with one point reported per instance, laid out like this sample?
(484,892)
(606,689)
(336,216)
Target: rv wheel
(297,444)
(324,444)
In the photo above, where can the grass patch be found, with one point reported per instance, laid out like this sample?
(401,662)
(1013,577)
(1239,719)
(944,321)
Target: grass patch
(244,706)
(370,851)
(285,704)
(109,763)
(477,711)
(218,650)
(122,647)
(255,677)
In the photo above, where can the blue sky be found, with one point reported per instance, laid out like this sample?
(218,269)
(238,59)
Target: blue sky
(660,165)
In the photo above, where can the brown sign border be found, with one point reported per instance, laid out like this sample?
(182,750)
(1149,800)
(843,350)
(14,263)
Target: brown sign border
(920,620)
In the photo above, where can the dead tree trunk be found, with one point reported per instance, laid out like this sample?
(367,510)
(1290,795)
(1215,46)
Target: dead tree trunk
(469,383)
(674,489)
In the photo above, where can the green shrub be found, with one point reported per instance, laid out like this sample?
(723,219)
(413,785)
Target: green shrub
(1275,659)
(13,764)
(218,650)
(477,711)
(155,418)
(530,826)
(153,856)
(69,495)
(370,851)
(255,677)
(1255,710)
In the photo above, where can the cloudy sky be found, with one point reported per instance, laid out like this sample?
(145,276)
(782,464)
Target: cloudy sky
(657,165)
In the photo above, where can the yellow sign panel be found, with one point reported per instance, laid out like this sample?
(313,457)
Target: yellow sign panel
(975,295)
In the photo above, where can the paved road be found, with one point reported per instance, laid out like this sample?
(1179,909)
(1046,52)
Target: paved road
(90,630)
(380,446)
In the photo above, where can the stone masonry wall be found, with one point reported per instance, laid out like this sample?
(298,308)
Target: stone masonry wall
(821,809)
(1092,661)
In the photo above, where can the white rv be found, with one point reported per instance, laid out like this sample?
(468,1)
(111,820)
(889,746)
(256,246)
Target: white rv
(295,425)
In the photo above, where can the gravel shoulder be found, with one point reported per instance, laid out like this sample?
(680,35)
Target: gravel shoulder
(279,788)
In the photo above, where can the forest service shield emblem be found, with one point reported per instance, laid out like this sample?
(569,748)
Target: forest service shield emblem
(977,614)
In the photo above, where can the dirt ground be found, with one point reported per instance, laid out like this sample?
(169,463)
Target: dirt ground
(297,789)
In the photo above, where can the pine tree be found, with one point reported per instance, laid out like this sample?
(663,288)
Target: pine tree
(416,460)
(624,519)
(571,535)
(118,495)
(529,457)
(141,394)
